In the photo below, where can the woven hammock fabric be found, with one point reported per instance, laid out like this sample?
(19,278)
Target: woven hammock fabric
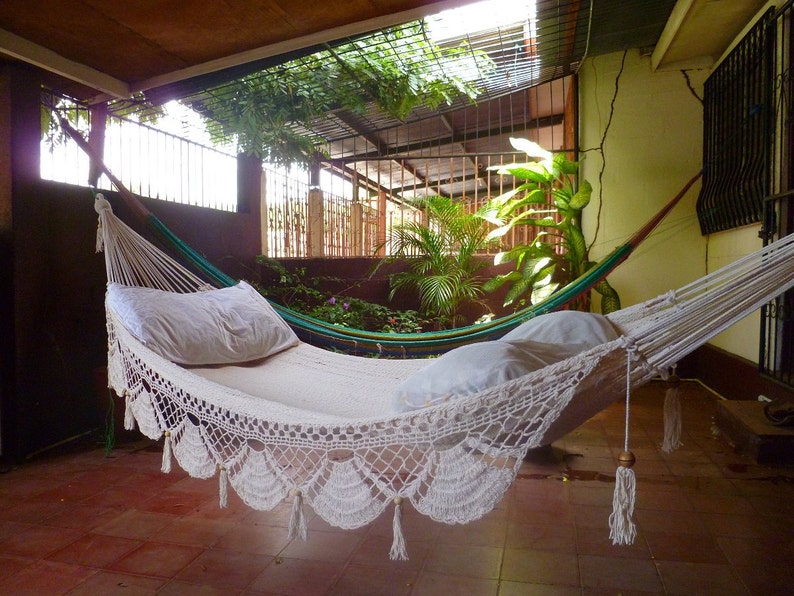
(341,451)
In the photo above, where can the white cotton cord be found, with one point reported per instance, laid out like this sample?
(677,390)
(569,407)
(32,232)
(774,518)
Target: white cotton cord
(100,242)
(621,524)
(297,520)
(399,550)
(166,467)
(132,261)
(672,414)
(100,204)
(223,488)
(129,417)
(622,529)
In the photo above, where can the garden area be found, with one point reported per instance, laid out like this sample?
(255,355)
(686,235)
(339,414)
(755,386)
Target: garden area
(452,268)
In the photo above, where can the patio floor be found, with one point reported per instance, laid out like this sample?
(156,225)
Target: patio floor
(710,521)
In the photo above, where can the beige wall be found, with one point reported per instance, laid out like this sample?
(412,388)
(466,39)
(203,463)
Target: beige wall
(641,144)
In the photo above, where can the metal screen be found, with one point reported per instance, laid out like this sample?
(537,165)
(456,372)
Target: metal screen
(736,133)
(776,359)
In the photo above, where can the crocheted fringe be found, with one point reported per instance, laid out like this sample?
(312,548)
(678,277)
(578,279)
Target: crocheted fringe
(129,418)
(621,525)
(166,467)
(672,416)
(223,488)
(399,551)
(297,521)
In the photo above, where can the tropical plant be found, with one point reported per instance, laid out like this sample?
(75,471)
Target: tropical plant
(546,199)
(399,69)
(442,255)
(308,294)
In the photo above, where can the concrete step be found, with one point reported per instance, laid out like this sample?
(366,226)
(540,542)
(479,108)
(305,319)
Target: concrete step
(744,424)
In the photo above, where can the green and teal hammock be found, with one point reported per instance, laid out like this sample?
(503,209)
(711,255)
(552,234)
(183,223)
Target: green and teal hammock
(402,345)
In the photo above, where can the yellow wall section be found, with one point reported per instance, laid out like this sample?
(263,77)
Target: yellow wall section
(652,147)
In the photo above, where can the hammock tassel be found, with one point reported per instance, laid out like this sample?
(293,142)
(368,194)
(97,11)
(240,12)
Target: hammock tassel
(297,521)
(129,418)
(166,467)
(223,492)
(672,414)
(621,525)
(399,551)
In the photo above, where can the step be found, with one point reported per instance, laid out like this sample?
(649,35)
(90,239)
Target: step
(744,424)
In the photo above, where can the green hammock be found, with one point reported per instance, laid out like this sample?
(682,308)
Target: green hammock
(410,345)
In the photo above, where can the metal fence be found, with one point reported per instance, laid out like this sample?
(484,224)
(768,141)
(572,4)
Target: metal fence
(356,220)
(147,160)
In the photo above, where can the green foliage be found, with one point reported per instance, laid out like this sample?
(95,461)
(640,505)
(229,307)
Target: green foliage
(399,69)
(442,256)
(547,199)
(299,292)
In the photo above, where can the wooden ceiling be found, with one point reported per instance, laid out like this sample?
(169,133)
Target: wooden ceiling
(115,48)
(122,47)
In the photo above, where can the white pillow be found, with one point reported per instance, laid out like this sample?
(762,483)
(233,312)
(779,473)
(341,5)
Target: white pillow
(568,327)
(234,324)
(472,368)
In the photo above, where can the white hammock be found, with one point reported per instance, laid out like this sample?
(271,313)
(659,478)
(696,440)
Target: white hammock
(315,426)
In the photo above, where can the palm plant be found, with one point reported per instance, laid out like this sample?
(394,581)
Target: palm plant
(547,199)
(442,253)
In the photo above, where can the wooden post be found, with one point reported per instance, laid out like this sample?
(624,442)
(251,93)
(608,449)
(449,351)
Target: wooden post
(263,215)
(357,229)
(380,241)
(96,138)
(315,233)
(356,221)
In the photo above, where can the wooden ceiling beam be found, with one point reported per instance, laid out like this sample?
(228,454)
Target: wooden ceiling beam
(41,57)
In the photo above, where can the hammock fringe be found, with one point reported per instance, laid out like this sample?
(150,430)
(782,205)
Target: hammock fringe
(672,415)
(223,489)
(129,416)
(399,550)
(297,521)
(622,529)
(621,523)
(167,455)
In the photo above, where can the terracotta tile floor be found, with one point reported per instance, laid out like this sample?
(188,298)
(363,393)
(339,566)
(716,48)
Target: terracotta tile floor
(709,521)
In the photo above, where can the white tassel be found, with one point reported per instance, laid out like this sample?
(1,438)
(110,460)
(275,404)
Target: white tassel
(129,418)
(166,467)
(621,525)
(672,415)
(398,551)
(223,482)
(297,521)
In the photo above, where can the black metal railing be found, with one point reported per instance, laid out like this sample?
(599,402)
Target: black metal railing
(776,360)
(736,132)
